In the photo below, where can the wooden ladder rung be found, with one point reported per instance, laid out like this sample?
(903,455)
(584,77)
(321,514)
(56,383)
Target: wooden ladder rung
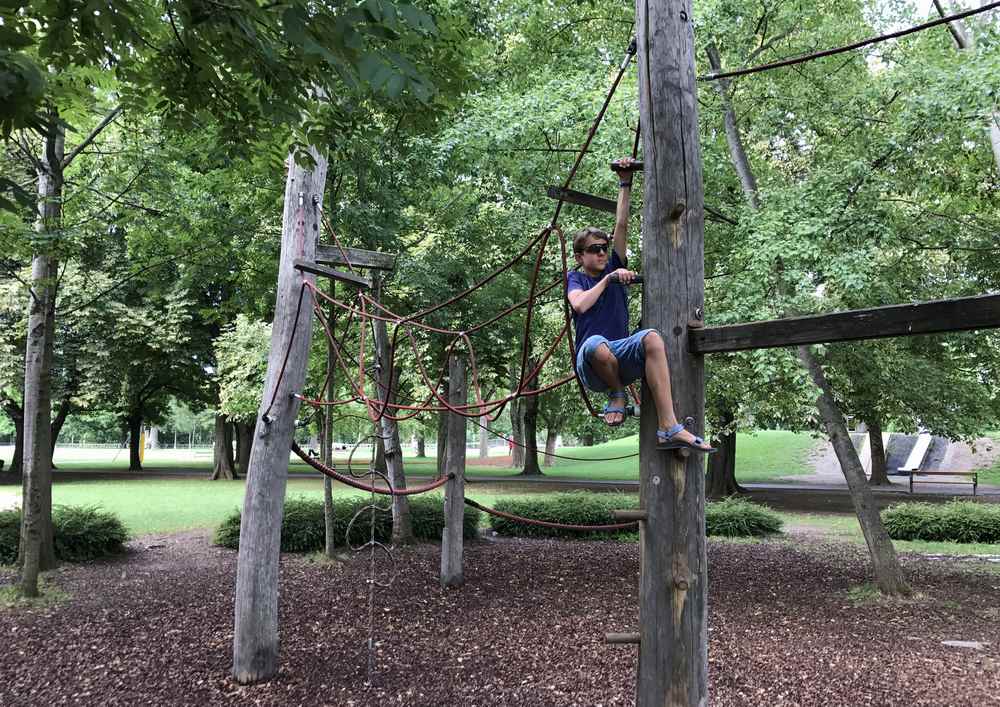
(621,638)
(349,278)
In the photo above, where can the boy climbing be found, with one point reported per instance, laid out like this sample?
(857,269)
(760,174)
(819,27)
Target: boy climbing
(607,358)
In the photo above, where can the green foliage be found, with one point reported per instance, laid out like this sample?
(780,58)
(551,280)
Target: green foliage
(958,521)
(241,353)
(733,517)
(574,508)
(10,533)
(303,528)
(80,533)
(737,517)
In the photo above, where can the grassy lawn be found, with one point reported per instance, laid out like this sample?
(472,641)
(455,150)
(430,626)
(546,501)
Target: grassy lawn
(845,528)
(152,506)
(992,475)
(760,456)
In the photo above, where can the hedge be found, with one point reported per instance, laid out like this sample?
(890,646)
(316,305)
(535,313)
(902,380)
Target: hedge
(80,534)
(303,528)
(958,521)
(731,517)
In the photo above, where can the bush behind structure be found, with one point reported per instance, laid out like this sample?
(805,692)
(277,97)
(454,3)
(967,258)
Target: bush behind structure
(733,517)
(80,534)
(304,530)
(958,521)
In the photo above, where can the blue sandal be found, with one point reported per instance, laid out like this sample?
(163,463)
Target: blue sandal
(665,440)
(620,409)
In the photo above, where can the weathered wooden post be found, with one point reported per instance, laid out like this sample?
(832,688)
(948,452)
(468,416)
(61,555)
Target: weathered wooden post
(454,491)
(255,636)
(673,649)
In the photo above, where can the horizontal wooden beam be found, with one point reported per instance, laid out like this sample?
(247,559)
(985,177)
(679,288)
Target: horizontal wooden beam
(962,314)
(571,196)
(349,278)
(371,259)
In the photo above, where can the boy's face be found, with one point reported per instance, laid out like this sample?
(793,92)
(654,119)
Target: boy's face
(594,257)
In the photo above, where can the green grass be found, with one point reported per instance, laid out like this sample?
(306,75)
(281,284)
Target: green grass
(843,527)
(992,475)
(761,456)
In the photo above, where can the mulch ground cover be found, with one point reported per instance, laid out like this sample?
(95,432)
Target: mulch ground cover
(155,628)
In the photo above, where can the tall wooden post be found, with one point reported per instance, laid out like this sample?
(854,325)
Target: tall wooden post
(673,652)
(329,541)
(454,491)
(255,636)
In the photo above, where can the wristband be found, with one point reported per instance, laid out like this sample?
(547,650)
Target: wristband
(625,184)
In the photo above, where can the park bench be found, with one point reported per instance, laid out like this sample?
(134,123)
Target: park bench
(973,474)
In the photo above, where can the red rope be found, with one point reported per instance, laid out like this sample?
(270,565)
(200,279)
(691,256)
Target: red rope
(350,481)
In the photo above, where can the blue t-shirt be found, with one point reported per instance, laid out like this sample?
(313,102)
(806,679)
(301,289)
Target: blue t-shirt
(609,314)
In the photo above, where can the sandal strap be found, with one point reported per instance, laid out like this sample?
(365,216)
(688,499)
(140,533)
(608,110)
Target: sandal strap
(672,432)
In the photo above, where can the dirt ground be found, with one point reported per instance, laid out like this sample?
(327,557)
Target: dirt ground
(155,628)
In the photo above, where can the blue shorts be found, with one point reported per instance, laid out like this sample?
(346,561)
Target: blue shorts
(629,351)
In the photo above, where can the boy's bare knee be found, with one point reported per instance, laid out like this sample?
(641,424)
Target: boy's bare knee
(652,342)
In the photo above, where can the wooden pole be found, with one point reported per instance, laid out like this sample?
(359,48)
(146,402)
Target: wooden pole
(454,491)
(329,541)
(388,377)
(255,636)
(673,653)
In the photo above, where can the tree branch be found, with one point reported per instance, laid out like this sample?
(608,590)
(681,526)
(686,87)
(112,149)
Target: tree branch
(93,134)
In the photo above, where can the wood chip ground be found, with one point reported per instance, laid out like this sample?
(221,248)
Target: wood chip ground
(155,627)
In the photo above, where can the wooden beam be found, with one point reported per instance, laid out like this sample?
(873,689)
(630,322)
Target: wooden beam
(349,278)
(940,316)
(673,583)
(371,259)
(452,544)
(599,203)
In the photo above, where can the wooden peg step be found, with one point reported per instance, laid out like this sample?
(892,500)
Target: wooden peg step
(621,638)
(630,514)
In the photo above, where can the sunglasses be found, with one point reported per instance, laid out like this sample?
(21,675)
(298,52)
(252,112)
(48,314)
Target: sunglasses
(595,248)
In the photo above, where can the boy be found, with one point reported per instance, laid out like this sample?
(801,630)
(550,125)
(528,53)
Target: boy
(607,358)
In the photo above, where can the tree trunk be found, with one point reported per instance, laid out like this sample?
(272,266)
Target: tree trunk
(587,439)
(484,438)
(222,451)
(37,552)
(517,433)
(421,446)
(58,422)
(255,632)
(380,456)
(888,573)
(720,481)
(879,475)
(530,405)
(16,415)
(736,151)
(551,435)
(326,448)
(442,439)
(134,437)
(244,443)
(402,526)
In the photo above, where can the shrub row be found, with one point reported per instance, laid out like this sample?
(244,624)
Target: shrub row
(304,530)
(731,518)
(958,521)
(80,534)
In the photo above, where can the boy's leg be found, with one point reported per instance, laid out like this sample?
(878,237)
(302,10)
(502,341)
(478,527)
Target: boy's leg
(658,378)
(605,365)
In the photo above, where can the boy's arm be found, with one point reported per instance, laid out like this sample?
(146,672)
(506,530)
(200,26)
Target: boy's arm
(620,237)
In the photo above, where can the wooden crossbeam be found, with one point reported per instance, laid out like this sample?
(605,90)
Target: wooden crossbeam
(599,203)
(370,259)
(961,314)
(349,278)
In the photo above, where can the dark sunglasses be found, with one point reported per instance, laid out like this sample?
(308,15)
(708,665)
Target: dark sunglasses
(595,248)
